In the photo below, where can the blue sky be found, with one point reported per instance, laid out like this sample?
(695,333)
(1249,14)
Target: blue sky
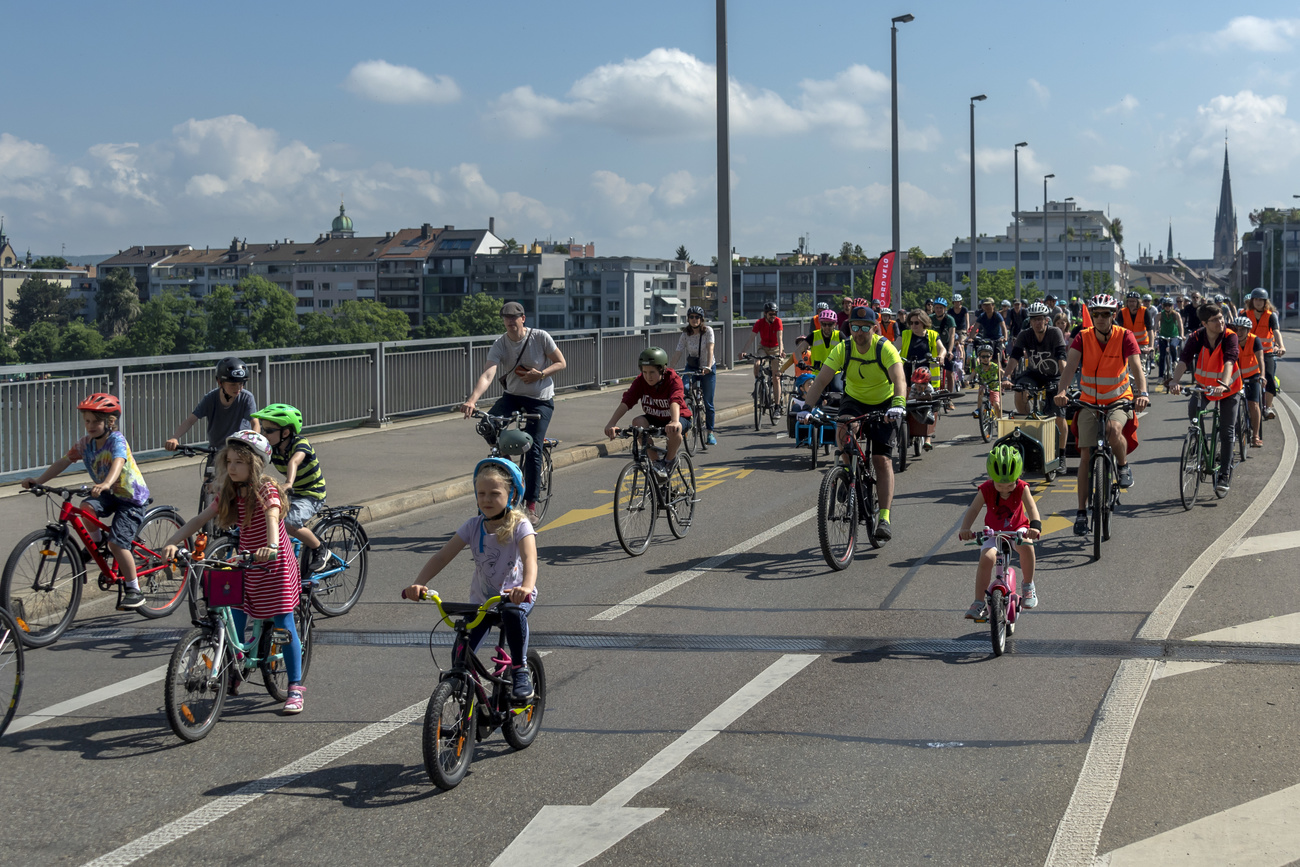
(133,123)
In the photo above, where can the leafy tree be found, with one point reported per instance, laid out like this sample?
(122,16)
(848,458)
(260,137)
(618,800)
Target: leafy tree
(40,344)
(915,254)
(683,255)
(367,321)
(480,314)
(7,353)
(846,252)
(802,307)
(193,334)
(79,342)
(511,246)
(271,313)
(117,303)
(319,329)
(1000,286)
(41,300)
(118,347)
(562,249)
(154,333)
(225,321)
(54,262)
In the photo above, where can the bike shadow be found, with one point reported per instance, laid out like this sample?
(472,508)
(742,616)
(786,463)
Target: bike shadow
(887,654)
(423,545)
(358,785)
(99,738)
(582,555)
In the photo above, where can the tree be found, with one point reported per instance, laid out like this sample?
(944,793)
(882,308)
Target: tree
(271,313)
(562,249)
(56,263)
(1000,286)
(319,329)
(7,353)
(511,246)
(915,254)
(79,342)
(226,322)
(367,321)
(846,253)
(154,333)
(802,307)
(41,300)
(479,314)
(39,345)
(117,303)
(683,255)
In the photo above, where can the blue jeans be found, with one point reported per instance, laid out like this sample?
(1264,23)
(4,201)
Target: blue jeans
(708,385)
(292,652)
(514,623)
(509,403)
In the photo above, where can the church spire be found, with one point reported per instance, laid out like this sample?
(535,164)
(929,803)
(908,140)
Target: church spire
(1169,253)
(1225,221)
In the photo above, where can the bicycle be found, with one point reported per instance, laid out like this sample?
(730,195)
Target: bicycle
(1032,441)
(207,473)
(461,711)
(212,657)
(695,400)
(640,494)
(764,401)
(490,428)
(847,497)
(11,663)
(1002,598)
(1200,455)
(987,415)
(42,580)
(1104,496)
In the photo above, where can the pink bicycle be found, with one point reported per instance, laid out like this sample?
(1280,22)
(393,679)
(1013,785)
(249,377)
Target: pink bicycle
(1002,596)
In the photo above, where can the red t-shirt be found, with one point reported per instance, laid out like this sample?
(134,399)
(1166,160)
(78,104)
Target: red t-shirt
(656,401)
(769,333)
(1004,513)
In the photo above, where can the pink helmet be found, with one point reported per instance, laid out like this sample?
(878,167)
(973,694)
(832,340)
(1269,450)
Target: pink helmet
(254,440)
(1102,301)
(827,316)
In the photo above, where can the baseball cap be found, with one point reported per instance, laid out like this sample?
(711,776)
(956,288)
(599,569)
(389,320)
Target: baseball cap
(512,308)
(862,314)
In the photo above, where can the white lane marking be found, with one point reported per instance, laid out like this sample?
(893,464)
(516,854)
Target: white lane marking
(691,574)
(1258,833)
(1173,667)
(94,697)
(1080,827)
(566,836)
(1273,630)
(1265,544)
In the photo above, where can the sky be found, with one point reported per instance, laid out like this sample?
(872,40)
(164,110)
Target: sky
(167,123)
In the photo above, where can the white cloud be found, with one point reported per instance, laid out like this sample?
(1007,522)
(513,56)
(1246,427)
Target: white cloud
(1040,90)
(677,189)
(1114,176)
(382,81)
(849,201)
(1262,138)
(227,152)
(1127,105)
(990,160)
(22,159)
(1257,34)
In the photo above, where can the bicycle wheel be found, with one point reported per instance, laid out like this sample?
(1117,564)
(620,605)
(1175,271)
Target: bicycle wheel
(774,408)
(635,509)
(164,588)
(1189,469)
(998,622)
(275,671)
(698,431)
(339,584)
(41,587)
(902,438)
(11,665)
(681,496)
(988,422)
(814,443)
(196,684)
(1243,431)
(758,403)
(867,511)
(544,488)
(525,721)
(449,732)
(1100,502)
(837,518)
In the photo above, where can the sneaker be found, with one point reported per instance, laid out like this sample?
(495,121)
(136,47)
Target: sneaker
(132,598)
(317,559)
(233,682)
(660,468)
(883,532)
(1125,476)
(1081,524)
(977,612)
(1221,485)
(1030,597)
(711,439)
(523,684)
(1269,413)
(294,704)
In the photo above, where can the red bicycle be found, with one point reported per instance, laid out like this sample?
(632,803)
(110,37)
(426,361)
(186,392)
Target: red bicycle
(41,585)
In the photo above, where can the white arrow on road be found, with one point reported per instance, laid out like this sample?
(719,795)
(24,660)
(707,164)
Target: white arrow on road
(566,836)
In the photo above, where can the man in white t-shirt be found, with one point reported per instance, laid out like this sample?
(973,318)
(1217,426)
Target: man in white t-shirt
(529,358)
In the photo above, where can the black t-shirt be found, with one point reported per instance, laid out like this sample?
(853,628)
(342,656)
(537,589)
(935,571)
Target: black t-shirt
(1016,322)
(961,317)
(1043,357)
(990,326)
(945,328)
(1191,321)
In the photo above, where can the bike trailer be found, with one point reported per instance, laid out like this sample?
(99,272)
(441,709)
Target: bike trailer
(1035,439)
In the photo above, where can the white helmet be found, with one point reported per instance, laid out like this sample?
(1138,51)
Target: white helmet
(1103,302)
(1038,308)
(253,440)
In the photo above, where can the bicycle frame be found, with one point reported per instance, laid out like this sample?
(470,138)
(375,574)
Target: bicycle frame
(76,517)
(466,664)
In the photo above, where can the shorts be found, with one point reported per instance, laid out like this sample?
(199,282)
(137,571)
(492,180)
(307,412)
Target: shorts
(301,510)
(768,352)
(1251,388)
(1088,425)
(127,517)
(882,435)
(1034,381)
(661,422)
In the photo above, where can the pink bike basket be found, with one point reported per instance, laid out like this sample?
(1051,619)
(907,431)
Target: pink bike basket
(223,588)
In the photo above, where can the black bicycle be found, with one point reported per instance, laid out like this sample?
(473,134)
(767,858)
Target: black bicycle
(1104,480)
(641,492)
(697,440)
(848,497)
(765,402)
(207,473)
(490,427)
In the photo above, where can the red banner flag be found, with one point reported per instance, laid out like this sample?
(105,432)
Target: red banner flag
(880,281)
(1087,316)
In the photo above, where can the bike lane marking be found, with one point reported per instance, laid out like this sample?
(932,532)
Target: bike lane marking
(1266,544)
(94,697)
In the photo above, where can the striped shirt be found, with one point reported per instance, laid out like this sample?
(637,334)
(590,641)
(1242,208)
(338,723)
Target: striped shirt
(269,588)
(310,481)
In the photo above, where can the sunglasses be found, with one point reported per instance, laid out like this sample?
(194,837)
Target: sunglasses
(270,430)
(1104,314)
(859,327)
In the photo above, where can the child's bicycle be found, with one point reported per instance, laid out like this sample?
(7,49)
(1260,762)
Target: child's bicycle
(11,665)
(461,710)
(213,658)
(641,493)
(490,428)
(206,474)
(847,497)
(41,585)
(1002,598)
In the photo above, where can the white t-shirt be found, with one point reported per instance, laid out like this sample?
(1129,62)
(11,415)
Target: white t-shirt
(497,567)
(535,346)
(695,345)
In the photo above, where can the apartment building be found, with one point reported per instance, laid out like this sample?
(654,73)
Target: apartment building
(625,291)
(449,268)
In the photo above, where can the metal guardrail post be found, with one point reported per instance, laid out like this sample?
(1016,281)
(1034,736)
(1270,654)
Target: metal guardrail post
(266,378)
(600,358)
(377,409)
(469,367)
(118,387)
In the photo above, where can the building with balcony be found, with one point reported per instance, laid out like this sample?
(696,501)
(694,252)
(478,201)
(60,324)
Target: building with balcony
(626,291)
(535,280)
(448,268)
(139,261)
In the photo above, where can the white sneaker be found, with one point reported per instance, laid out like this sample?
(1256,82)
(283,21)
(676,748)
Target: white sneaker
(1030,597)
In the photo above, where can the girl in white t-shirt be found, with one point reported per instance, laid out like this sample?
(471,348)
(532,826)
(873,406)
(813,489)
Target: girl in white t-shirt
(695,346)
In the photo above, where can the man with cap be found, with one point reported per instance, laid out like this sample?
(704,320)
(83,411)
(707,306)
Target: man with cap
(526,358)
(990,325)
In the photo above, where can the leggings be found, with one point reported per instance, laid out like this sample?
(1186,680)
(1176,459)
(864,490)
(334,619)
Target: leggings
(1270,373)
(514,623)
(292,652)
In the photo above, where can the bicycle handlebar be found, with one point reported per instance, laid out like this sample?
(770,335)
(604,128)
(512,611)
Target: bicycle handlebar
(629,432)
(190,451)
(1019,536)
(442,612)
(503,421)
(42,490)
(240,558)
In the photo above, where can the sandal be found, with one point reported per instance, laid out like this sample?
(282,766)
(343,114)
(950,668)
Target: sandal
(1256,443)
(294,704)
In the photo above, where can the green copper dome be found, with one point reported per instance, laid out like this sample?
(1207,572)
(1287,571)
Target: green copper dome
(342,223)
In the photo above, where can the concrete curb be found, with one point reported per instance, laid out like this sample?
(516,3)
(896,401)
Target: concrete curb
(401,502)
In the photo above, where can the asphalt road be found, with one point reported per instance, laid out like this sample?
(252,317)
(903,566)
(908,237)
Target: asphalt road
(887,734)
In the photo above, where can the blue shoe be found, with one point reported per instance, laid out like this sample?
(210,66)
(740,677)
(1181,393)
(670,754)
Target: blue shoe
(523,689)
(711,440)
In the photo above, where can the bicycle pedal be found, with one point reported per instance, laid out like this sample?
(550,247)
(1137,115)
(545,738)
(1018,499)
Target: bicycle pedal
(281,636)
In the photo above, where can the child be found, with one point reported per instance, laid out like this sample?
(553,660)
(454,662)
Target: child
(801,361)
(228,408)
(503,545)
(248,498)
(119,489)
(987,373)
(1008,505)
(663,404)
(293,456)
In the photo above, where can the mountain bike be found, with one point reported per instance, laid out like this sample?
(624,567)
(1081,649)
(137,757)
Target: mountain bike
(1002,598)
(640,493)
(213,658)
(11,665)
(847,496)
(462,711)
(42,580)
(1104,479)
(490,428)
(699,435)
(764,400)
(1200,455)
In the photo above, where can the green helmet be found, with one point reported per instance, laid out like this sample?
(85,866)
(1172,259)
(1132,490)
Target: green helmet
(515,442)
(281,414)
(652,355)
(1004,464)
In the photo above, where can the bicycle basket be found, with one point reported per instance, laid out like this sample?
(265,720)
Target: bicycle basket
(223,588)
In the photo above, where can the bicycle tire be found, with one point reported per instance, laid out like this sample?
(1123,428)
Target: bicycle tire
(814,443)
(635,508)
(449,736)
(1189,469)
(275,672)
(165,588)
(758,403)
(1243,432)
(544,488)
(11,663)
(837,518)
(1100,501)
(997,604)
(525,721)
(903,436)
(195,689)
(346,540)
(988,424)
(774,410)
(43,612)
(681,497)
(698,431)
(867,512)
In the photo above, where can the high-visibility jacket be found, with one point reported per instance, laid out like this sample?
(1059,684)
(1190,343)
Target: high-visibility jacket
(1209,371)
(1247,361)
(1259,326)
(932,337)
(821,346)
(889,330)
(1137,324)
(1103,372)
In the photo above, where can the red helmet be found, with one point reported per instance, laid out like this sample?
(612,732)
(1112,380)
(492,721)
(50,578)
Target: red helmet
(100,402)
(921,375)
(861,302)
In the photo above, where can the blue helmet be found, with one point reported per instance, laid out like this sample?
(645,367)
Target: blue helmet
(512,470)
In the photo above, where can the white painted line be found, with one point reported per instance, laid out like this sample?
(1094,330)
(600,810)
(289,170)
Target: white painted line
(1259,833)
(691,574)
(95,697)
(1265,544)
(1272,630)
(1173,667)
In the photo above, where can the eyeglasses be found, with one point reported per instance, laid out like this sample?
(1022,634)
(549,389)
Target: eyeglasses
(511,317)
(270,430)
(916,322)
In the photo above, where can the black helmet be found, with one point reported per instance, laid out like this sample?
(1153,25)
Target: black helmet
(652,355)
(1259,293)
(1134,294)
(695,311)
(769,307)
(231,369)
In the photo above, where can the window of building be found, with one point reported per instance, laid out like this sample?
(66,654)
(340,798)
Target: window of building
(1028,275)
(324,302)
(647,303)
(615,322)
(1029,255)
(961,258)
(325,286)
(647,284)
(1054,275)
(308,285)
(1006,257)
(613,306)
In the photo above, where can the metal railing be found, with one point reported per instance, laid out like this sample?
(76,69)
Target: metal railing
(333,386)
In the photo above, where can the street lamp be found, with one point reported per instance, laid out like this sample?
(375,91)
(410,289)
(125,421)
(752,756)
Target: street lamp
(974,257)
(1065,243)
(725,287)
(1045,177)
(1016,216)
(896,293)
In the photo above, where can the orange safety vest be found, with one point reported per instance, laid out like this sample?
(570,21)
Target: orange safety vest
(1104,369)
(1260,328)
(1248,369)
(1138,326)
(1209,371)
(892,333)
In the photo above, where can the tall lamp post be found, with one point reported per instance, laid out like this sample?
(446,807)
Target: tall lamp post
(1016,216)
(1285,214)
(725,286)
(1045,179)
(896,291)
(1065,243)
(974,257)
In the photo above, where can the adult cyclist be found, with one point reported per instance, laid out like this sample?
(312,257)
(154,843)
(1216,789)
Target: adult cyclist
(1036,359)
(1170,334)
(873,382)
(1212,353)
(1139,319)
(1263,324)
